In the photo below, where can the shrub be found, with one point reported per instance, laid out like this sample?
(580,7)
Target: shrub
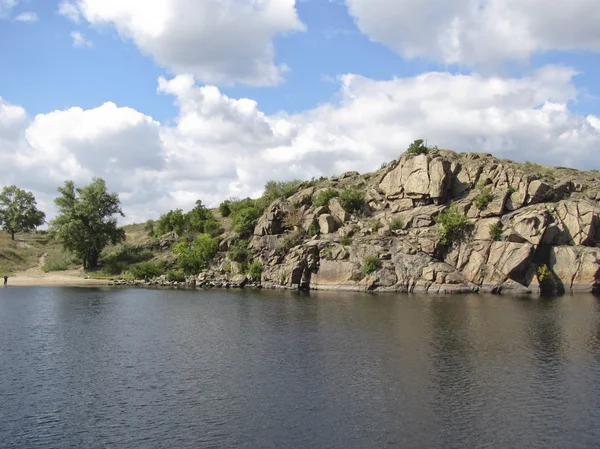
(149,228)
(484,197)
(224,208)
(239,251)
(496,232)
(255,270)
(346,240)
(195,256)
(374,225)
(175,276)
(322,198)
(453,225)
(417,147)
(383,165)
(314,229)
(145,270)
(127,255)
(510,190)
(371,264)
(396,223)
(279,189)
(244,220)
(288,241)
(172,221)
(543,273)
(353,201)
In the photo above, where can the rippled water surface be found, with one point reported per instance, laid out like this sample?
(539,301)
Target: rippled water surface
(110,368)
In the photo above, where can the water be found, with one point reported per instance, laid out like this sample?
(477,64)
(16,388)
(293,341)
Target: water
(110,368)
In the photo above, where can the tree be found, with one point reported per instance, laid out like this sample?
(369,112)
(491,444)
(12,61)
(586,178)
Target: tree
(85,223)
(18,211)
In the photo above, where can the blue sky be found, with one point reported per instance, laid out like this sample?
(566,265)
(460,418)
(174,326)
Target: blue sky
(511,77)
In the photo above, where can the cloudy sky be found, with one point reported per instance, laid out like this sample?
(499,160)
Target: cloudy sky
(171,101)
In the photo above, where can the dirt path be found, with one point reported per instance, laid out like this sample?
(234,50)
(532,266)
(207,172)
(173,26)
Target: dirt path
(36,277)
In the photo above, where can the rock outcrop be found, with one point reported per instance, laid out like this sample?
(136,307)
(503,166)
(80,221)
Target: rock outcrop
(528,224)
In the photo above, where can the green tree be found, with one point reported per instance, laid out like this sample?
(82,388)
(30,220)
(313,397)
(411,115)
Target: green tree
(417,147)
(195,256)
(18,211)
(85,224)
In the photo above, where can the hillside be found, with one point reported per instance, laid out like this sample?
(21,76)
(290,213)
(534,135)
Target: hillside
(430,221)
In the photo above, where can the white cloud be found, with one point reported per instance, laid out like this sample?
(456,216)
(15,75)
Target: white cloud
(79,40)
(6,6)
(28,17)
(218,41)
(220,147)
(473,32)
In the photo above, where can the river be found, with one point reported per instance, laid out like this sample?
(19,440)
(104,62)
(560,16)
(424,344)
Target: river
(134,368)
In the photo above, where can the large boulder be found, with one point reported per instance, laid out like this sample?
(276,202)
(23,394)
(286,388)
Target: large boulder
(420,176)
(577,267)
(575,223)
(526,225)
(271,222)
(327,224)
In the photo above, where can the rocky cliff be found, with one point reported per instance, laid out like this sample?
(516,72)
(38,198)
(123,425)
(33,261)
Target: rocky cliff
(525,228)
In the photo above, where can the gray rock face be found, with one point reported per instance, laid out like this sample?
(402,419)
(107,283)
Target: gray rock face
(535,234)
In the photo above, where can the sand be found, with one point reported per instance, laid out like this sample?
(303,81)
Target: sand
(36,277)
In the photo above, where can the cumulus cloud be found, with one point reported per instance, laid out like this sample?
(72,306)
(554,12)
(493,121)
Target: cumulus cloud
(218,41)
(473,32)
(218,147)
(6,6)
(79,40)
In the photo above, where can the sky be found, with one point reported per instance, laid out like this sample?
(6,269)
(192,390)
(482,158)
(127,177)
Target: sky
(171,101)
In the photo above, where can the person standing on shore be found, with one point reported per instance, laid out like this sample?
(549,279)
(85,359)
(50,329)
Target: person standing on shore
(5,280)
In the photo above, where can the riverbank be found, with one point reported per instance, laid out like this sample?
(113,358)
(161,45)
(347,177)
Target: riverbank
(35,277)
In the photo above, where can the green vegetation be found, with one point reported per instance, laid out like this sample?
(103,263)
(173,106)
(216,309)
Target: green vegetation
(453,225)
(146,270)
(289,240)
(510,190)
(149,228)
(18,211)
(244,216)
(224,208)
(175,276)
(370,265)
(353,201)
(346,240)
(383,165)
(396,224)
(543,273)
(322,198)
(417,147)
(85,223)
(198,220)
(58,261)
(194,256)
(484,197)
(278,189)
(121,260)
(496,232)
(313,229)
(255,270)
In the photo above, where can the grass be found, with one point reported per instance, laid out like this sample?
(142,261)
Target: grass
(24,252)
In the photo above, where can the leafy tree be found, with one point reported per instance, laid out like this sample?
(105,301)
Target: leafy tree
(195,256)
(172,221)
(85,223)
(322,198)
(18,211)
(224,208)
(244,220)
(417,147)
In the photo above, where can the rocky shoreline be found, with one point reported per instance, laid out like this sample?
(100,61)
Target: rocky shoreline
(525,229)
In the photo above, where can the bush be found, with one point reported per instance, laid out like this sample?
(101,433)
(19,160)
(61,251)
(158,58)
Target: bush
(288,241)
(255,270)
(543,273)
(244,220)
(175,276)
(396,224)
(172,221)
(224,208)
(149,228)
(484,197)
(453,225)
(145,270)
(353,201)
(496,232)
(195,256)
(120,261)
(239,252)
(417,147)
(510,190)
(314,229)
(279,189)
(346,240)
(322,198)
(371,264)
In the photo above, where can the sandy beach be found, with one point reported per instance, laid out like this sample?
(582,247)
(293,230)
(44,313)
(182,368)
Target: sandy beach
(36,277)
